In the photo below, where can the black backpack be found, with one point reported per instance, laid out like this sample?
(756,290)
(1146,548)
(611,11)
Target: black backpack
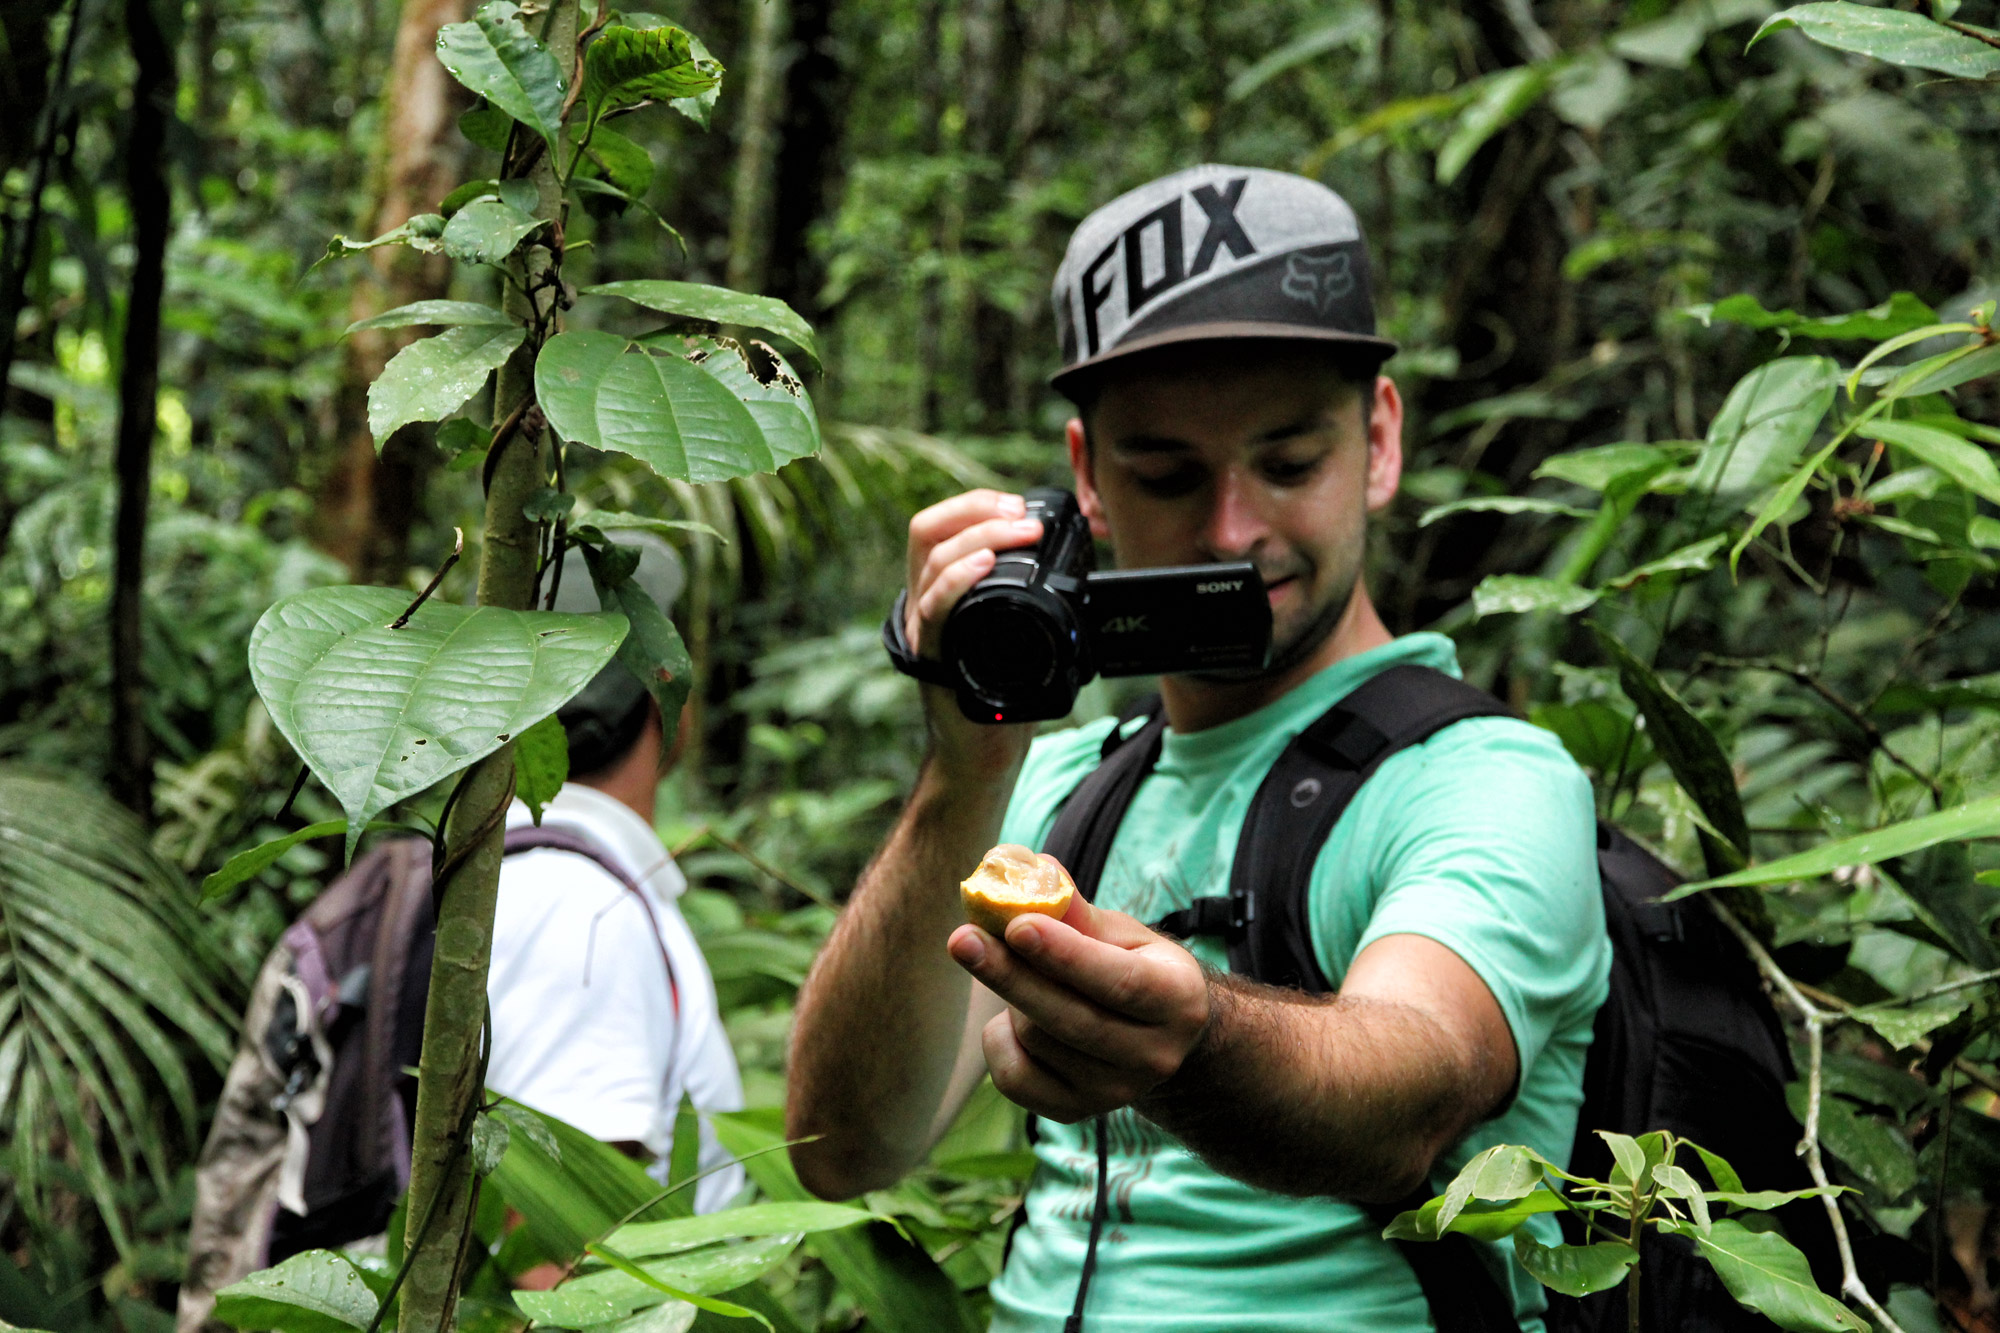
(1686,1040)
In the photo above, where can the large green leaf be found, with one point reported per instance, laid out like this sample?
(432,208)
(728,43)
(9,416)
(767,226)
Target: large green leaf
(1691,751)
(1501,99)
(496,57)
(1499,1175)
(314,1292)
(1894,35)
(687,421)
(1964,462)
(432,377)
(1764,425)
(625,66)
(1766,1272)
(896,1284)
(486,232)
(1480,1219)
(1974,819)
(441,313)
(607,1294)
(718,305)
(1574,1270)
(379,714)
(111,994)
(643,1240)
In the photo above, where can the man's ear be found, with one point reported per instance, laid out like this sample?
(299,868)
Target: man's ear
(1085,467)
(1385,445)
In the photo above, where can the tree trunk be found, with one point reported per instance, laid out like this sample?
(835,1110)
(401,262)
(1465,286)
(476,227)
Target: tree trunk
(450,1070)
(366,503)
(761,107)
(808,150)
(30,104)
(138,399)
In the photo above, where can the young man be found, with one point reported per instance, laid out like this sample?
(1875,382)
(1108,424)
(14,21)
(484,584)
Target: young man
(1218,338)
(604,1012)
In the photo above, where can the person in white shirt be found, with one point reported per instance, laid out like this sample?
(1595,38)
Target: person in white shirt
(603,1009)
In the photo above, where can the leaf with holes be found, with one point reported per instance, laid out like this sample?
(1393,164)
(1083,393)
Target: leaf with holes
(380,714)
(496,57)
(626,66)
(432,377)
(717,305)
(1892,35)
(686,421)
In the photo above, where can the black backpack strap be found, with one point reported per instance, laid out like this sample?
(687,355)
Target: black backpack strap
(1088,821)
(1306,791)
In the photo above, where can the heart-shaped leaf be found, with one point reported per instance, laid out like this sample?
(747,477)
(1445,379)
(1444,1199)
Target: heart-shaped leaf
(499,59)
(380,714)
(432,377)
(719,305)
(688,421)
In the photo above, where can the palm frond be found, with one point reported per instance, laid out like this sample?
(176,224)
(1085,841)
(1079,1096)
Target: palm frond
(111,995)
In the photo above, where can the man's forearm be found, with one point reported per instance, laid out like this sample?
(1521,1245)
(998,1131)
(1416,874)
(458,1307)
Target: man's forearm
(881,1017)
(1319,1095)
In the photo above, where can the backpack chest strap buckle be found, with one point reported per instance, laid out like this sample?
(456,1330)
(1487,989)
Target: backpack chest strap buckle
(1226,917)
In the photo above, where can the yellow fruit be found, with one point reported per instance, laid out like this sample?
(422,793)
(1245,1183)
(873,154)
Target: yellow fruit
(1012,880)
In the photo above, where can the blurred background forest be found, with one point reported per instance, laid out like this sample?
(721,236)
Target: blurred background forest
(1548,187)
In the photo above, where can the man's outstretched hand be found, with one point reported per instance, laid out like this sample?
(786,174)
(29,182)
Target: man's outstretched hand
(1100,1010)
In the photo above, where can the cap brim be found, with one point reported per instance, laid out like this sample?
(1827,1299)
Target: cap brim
(1362,347)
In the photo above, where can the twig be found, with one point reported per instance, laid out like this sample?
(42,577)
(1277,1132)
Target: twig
(1918,644)
(500,438)
(1972,1073)
(1871,732)
(1816,1021)
(759,863)
(298,785)
(457,550)
(1972,32)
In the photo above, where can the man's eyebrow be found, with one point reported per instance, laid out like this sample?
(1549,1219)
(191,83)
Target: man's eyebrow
(1150,444)
(1293,429)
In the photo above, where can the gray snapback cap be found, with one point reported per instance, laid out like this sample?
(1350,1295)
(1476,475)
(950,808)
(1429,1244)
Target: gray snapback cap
(1214,252)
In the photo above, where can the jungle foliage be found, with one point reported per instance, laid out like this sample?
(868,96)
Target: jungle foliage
(1697,336)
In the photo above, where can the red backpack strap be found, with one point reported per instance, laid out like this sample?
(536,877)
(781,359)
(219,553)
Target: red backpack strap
(531,839)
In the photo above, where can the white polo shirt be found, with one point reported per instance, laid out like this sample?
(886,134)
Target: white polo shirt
(584,1023)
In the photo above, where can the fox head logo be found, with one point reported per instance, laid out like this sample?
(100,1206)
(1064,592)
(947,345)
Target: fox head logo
(1317,280)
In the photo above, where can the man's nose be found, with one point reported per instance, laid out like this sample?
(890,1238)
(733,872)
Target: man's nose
(1236,523)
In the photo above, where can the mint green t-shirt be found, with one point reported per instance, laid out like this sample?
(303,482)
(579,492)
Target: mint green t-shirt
(1482,839)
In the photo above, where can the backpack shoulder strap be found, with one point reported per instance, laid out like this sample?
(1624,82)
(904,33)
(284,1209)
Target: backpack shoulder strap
(1302,798)
(1089,818)
(533,838)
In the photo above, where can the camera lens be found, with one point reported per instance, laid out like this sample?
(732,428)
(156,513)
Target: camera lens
(1004,647)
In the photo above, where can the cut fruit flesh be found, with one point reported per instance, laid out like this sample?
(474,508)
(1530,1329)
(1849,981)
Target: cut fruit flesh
(1012,881)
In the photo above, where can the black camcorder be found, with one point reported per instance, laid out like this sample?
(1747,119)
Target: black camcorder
(1028,636)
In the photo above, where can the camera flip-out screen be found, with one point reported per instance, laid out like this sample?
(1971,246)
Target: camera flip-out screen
(1146,622)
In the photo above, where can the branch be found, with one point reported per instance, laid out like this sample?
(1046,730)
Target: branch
(1854,715)
(1972,32)
(1816,1020)
(431,587)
